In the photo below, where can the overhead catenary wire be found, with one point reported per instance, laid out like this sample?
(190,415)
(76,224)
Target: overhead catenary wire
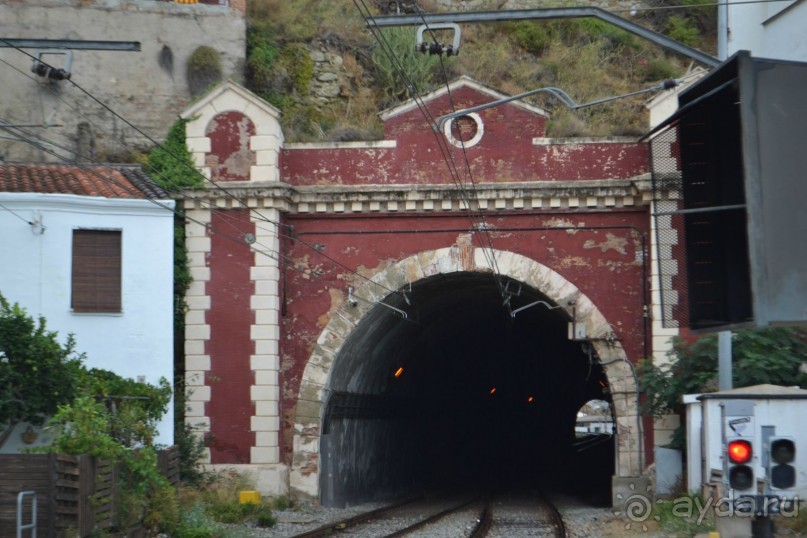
(446,154)
(236,238)
(731,3)
(227,219)
(212,182)
(492,259)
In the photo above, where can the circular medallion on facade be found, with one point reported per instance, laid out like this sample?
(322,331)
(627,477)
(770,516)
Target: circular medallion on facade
(465,131)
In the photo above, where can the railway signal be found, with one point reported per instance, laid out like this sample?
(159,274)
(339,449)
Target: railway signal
(782,471)
(741,475)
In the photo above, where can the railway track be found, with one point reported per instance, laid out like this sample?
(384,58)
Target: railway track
(516,515)
(506,516)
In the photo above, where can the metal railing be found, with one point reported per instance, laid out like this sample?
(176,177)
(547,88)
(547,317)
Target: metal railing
(20,502)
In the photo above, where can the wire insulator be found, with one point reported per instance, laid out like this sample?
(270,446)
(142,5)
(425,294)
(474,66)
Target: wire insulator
(435,48)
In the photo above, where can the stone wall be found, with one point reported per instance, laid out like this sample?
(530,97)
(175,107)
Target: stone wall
(88,114)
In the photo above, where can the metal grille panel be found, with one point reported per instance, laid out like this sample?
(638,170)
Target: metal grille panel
(665,154)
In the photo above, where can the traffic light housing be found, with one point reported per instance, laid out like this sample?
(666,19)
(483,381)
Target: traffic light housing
(782,455)
(739,453)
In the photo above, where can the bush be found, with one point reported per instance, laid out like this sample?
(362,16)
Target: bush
(194,523)
(297,62)
(686,515)
(28,350)
(232,511)
(163,512)
(204,69)
(655,69)
(115,419)
(217,502)
(401,71)
(683,30)
(531,36)
(767,355)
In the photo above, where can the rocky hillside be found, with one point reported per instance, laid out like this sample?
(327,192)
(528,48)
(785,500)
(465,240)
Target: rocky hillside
(330,75)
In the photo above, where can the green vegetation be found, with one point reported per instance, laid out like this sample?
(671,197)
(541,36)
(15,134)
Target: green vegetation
(686,515)
(214,505)
(401,71)
(90,411)
(27,351)
(773,355)
(171,167)
(204,69)
(98,413)
(587,58)
(683,30)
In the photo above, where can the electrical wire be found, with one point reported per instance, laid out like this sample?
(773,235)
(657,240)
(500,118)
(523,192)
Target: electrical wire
(692,6)
(441,143)
(197,172)
(26,221)
(226,218)
(34,142)
(492,260)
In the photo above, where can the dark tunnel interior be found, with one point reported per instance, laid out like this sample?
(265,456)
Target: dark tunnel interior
(460,393)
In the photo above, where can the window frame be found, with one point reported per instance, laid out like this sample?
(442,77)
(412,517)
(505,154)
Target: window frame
(96,271)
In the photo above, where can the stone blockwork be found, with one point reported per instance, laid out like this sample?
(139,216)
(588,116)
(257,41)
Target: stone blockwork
(197,330)
(147,89)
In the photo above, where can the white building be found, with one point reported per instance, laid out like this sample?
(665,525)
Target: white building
(773,30)
(91,250)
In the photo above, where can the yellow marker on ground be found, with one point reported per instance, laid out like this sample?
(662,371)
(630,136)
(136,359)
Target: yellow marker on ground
(249,497)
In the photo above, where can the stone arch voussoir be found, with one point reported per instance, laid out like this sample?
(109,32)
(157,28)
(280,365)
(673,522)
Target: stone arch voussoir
(304,475)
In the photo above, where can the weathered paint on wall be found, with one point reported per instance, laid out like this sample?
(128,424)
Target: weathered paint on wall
(512,149)
(230,346)
(230,156)
(575,209)
(602,253)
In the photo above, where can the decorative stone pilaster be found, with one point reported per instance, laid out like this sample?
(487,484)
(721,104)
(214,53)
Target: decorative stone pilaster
(265,333)
(197,330)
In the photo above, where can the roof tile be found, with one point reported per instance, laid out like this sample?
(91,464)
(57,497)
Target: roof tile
(95,180)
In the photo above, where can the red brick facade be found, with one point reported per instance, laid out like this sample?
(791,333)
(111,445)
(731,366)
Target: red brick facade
(314,220)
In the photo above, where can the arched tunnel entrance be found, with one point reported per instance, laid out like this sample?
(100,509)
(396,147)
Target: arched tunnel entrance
(461,379)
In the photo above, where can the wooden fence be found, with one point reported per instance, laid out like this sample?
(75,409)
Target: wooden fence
(75,494)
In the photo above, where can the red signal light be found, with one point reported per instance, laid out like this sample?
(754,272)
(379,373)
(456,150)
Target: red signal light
(740,451)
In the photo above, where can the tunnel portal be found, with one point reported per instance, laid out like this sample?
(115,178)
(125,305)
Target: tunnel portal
(441,386)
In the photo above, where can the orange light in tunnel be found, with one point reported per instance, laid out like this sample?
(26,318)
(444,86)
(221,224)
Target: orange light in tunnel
(602,383)
(493,390)
(398,372)
(530,399)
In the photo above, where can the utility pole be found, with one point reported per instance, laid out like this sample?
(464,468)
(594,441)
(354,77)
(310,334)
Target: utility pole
(724,360)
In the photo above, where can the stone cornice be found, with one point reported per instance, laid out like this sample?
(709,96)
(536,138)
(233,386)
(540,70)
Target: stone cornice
(588,194)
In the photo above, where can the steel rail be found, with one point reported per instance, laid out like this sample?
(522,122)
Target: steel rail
(343,524)
(486,522)
(431,519)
